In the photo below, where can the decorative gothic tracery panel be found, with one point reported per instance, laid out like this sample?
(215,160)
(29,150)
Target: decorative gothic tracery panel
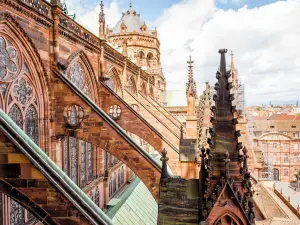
(111,83)
(78,77)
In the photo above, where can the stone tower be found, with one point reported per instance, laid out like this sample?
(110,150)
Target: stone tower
(143,47)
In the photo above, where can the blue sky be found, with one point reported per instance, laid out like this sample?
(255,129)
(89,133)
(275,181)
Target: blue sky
(152,9)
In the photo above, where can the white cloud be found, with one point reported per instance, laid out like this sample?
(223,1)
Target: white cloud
(87,13)
(265,41)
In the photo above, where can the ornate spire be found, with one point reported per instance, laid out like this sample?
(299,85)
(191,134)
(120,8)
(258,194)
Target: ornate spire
(101,14)
(130,4)
(191,84)
(232,63)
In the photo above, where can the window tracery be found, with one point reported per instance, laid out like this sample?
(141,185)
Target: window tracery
(83,162)
(89,159)
(16,115)
(74,159)
(22,91)
(31,123)
(8,60)
(111,83)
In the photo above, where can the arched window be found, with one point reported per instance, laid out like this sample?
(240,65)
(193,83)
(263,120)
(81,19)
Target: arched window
(74,159)
(141,57)
(18,89)
(97,197)
(114,182)
(119,178)
(149,60)
(77,75)
(286,172)
(296,135)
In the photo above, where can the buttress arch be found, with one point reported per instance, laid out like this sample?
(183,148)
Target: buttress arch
(29,70)
(79,69)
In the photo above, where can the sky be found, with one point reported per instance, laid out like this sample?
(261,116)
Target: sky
(263,34)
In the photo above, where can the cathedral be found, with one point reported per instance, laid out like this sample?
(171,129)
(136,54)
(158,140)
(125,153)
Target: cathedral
(83,117)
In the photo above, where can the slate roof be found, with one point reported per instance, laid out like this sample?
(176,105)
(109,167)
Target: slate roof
(132,21)
(136,206)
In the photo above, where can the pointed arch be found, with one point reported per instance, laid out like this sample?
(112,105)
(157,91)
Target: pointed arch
(143,89)
(132,85)
(114,81)
(228,218)
(31,60)
(80,71)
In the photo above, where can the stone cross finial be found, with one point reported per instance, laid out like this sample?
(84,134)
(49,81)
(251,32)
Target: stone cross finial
(164,159)
(190,62)
(227,161)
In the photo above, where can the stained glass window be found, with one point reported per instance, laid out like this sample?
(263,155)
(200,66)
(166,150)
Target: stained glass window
(90,160)
(119,178)
(83,162)
(31,123)
(75,115)
(66,155)
(16,115)
(97,197)
(122,175)
(114,182)
(74,159)
(16,213)
(110,187)
(8,60)
(22,91)
(77,76)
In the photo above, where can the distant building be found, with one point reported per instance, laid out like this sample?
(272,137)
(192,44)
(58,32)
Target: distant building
(278,138)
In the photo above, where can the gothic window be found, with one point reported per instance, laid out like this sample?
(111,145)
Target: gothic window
(31,123)
(110,187)
(97,197)
(149,59)
(77,76)
(9,60)
(83,163)
(141,58)
(16,115)
(89,159)
(111,83)
(16,213)
(115,111)
(22,91)
(119,178)
(114,182)
(75,115)
(74,159)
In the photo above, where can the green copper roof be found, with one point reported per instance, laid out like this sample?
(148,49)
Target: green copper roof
(55,175)
(136,206)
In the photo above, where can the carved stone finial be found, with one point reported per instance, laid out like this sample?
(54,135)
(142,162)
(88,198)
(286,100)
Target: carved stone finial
(181,132)
(227,161)
(164,159)
(222,51)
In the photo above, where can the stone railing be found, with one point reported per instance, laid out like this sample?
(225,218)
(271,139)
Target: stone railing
(78,30)
(39,5)
(287,202)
